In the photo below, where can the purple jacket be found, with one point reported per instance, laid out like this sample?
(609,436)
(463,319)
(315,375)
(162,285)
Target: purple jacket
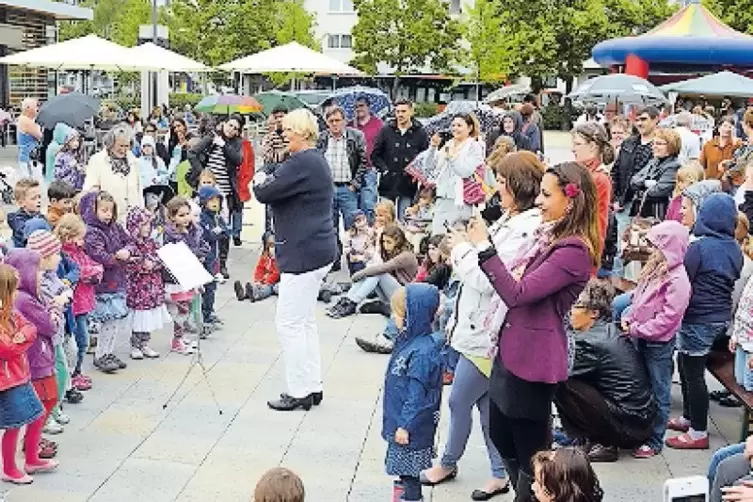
(101,242)
(41,354)
(532,341)
(657,308)
(145,289)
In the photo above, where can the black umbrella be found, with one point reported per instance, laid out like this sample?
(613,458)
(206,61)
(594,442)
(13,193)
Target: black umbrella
(73,109)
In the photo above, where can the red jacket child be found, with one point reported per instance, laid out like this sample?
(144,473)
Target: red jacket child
(266,271)
(13,347)
(246,171)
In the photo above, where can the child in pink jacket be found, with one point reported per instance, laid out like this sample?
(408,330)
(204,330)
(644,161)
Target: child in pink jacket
(657,307)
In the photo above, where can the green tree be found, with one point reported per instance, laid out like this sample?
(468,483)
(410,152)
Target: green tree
(736,13)
(483,30)
(115,20)
(406,35)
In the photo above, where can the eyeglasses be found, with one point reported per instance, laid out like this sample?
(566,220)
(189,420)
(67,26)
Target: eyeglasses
(643,118)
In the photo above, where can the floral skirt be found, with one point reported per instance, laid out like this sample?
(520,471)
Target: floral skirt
(404,461)
(19,406)
(109,307)
(147,321)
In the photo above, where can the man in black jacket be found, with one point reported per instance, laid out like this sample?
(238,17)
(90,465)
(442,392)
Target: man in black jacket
(396,146)
(221,153)
(606,402)
(345,151)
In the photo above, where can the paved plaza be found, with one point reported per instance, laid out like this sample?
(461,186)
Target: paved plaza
(135,439)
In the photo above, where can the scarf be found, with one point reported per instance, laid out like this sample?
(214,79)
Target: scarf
(495,315)
(120,165)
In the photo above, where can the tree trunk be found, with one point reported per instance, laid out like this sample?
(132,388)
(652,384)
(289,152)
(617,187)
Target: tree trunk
(395,86)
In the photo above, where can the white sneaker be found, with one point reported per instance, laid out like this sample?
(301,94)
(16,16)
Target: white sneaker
(60,417)
(52,427)
(219,278)
(181,347)
(137,354)
(149,353)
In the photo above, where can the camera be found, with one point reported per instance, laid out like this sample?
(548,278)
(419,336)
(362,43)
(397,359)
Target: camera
(689,489)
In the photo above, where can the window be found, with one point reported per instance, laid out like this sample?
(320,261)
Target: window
(339,41)
(455,7)
(341,5)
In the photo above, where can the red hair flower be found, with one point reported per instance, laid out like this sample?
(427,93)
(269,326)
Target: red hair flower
(572,190)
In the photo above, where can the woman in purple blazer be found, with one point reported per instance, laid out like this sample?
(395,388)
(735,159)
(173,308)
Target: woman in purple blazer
(538,288)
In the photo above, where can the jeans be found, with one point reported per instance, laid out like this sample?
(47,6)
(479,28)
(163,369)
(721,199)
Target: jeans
(623,219)
(402,203)
(345,202)
(207,300)
(298,332)
(619,304)
(264,291)
(731,471)
(743,373)
(384,284)
(390,331)
(722,454)
(236,222)
(657,356)
(82,341)
(696,339)
(469,389)
(367,197)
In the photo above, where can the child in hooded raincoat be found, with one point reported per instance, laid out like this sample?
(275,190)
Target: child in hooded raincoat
(106,242)
(69,161)
(658,304)
(214,228)
(412,389)
(145,289)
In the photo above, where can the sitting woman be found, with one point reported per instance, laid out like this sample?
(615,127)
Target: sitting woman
(607,401)
(398,266)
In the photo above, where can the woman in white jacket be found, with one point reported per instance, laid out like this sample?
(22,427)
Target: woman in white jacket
(115,170)
(472,330)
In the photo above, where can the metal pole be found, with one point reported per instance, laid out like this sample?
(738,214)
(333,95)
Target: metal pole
(154,75)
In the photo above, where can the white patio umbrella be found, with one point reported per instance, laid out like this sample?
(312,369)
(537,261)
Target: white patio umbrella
(159,58)
(84,53)
(292,57)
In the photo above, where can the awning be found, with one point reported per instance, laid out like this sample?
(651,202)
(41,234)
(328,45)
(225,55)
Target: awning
(292,57)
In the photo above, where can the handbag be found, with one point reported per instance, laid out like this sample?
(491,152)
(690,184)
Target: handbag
(635,243)
(473,187)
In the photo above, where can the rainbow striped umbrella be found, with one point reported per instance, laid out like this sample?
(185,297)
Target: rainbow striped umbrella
(225,104)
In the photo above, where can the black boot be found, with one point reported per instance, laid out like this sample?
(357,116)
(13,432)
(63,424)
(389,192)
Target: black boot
(523,491)
(512,467)
(224,246)
(240,291)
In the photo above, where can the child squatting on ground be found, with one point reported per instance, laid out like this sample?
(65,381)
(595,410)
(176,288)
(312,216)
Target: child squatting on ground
(266,275)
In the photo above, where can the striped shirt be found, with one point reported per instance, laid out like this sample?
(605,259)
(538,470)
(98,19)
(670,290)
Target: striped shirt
(217,165)
(337,158)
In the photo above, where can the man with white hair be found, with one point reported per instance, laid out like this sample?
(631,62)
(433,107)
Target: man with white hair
(690,148)
(29,136)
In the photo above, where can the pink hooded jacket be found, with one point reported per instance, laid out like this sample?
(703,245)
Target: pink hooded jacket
(657,308)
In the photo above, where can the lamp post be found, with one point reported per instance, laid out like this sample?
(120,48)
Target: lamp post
(154,75)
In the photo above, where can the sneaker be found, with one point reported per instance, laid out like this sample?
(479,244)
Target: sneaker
(206,330)
(685,442)
(149,353)
(60,416)
(325,296)
(136,354)
(73,396)
(380,344)
(42,467)
(121,364)
(237,242)
(213,319)
(52,427)
(225,273)
(343,308)
(601,453)
(240,291)
(219,278)
(180,347)
(645,451)
(106,365)
(81,383)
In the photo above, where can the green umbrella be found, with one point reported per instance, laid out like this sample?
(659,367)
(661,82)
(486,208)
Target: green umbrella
(271,99)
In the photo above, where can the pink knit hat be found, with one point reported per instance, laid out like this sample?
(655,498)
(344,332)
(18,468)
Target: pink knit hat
(44,243)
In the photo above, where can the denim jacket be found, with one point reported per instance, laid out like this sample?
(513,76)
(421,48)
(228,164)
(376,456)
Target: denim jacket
(413,382)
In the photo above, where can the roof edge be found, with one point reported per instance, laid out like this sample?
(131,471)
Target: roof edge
(59,10)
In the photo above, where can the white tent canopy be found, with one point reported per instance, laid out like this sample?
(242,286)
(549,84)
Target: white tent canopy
(292,57)
(85,53)
(159,58)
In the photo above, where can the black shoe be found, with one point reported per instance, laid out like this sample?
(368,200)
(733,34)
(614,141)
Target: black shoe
(250,292)
(240,291)
(237,241)
(718,395)
(73,396)
(224,272)
(482,495)
(342,308)
(601,453)
(325,296)
(289,403)
(116,360)
(426,482)
(375,307)
(380,344)
(316,396)
(336,266)
(730,402)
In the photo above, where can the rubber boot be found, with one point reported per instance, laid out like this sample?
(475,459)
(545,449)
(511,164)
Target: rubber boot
(224,246)
(512,467)
(397,491)
(523,491)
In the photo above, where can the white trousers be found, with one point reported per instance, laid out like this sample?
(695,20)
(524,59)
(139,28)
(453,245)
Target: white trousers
(296,328)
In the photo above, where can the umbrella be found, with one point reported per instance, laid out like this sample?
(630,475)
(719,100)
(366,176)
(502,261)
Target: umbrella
(73,109)
(627,89)
(271,99)
(346,99)
(488,117)
(507,92)
(165,59)
(724,83)
(225,104)
(292,57)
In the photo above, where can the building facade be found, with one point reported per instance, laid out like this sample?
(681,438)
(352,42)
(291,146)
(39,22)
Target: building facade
(24,25)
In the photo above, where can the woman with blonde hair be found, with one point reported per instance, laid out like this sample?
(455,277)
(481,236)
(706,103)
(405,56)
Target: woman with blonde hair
(300,195)
(653,185)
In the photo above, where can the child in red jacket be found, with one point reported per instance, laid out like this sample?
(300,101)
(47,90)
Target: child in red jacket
(266,275)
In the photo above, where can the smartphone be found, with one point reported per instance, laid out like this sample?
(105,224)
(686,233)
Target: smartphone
(447,226)
(689,489)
